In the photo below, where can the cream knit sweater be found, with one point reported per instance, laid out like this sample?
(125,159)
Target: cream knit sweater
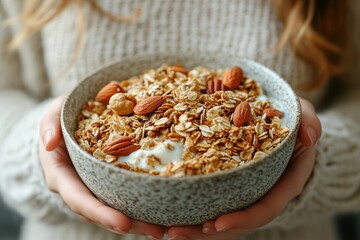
(248,28)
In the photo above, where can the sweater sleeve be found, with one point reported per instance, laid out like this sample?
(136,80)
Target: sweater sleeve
(22,82)
(22,183)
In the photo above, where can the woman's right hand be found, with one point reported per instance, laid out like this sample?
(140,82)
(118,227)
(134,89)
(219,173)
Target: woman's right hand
(62,178)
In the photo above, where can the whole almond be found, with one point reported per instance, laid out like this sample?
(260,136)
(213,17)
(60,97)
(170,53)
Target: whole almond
(272,112)
(122,103)
(178,69)
(233,77)
(148,105)
(242,114)
(121,146)
(108,91)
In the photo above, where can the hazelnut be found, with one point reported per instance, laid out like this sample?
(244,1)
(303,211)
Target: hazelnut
(122,103)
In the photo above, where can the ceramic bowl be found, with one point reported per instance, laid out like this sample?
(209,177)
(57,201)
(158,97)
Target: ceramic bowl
(183,200)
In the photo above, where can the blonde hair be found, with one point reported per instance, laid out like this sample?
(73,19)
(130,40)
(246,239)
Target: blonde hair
(37,13)
(315,29)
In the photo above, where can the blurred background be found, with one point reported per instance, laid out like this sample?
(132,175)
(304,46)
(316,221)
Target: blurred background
(347,225)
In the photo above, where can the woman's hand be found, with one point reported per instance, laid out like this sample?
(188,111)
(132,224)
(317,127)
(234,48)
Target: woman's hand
(289,186)
(62,178)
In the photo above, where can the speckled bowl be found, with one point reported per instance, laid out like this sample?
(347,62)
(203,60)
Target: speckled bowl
(184,200)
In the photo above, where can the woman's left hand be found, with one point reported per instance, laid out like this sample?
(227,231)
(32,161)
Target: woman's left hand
(289,186)
(62,178)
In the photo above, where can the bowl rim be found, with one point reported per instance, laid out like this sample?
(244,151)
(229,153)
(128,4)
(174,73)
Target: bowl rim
(223,173)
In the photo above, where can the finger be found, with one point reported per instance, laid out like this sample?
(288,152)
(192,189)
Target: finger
(310,127)
(274,202)
(195,232)
(81,201)
(148,229)
(88,220)
(209,227)
(186,232)
(62,178)
(68,184)
(50,129)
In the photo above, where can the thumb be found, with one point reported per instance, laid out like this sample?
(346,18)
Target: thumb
(310,127)
(50,129)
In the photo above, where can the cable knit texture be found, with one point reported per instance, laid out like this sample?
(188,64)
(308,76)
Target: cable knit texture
(249,28)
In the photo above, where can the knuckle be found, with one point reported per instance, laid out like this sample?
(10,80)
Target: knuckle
(306,103)
(51,180)
(71,204)
(298,190)
(50,183)
(86,219)
(73,207)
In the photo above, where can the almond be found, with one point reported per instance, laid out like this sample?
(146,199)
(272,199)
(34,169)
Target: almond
(177,69)
(106,92)
(121,147)
(233,77)
(272,112)
(148,105)
(242,114)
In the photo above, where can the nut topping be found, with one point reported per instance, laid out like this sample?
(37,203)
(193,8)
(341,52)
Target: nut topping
(178,69)
(108,91)
(215,86)
(148,105)
(242,114)
(121,147)
(233,77)
(272,112)
(122,103)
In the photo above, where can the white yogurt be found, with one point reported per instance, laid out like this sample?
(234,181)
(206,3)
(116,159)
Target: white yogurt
(139,157)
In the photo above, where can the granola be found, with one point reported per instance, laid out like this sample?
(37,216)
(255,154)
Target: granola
(187,129)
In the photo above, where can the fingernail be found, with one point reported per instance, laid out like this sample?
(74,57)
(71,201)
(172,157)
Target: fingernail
(312,135)
(47,136)
(208,230)
(222,229)
(119,231)
(116,230)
